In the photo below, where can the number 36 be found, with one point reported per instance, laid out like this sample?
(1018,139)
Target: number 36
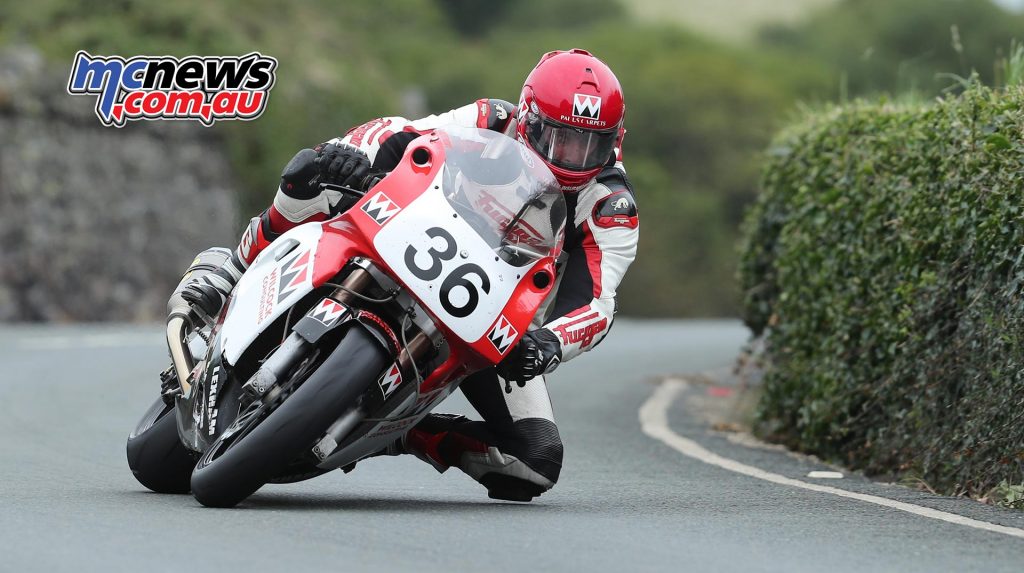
(456,278)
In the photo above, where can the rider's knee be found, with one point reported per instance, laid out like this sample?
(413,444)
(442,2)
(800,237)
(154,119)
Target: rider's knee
(542,447)
(528,470)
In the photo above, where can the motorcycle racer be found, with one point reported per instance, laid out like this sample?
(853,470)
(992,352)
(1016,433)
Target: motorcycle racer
(570,113)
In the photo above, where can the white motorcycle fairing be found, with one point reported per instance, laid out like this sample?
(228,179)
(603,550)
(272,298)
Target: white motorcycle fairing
(280,276)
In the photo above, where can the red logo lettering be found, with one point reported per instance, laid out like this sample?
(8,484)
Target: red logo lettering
(570,333)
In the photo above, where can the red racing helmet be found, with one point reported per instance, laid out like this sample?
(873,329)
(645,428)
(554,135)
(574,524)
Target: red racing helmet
(570,113)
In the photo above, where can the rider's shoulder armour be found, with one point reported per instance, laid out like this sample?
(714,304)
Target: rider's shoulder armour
(618,208)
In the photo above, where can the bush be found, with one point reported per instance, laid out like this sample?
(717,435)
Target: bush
(884,262)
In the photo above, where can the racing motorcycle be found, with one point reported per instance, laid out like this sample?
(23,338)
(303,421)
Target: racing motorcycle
(343,334)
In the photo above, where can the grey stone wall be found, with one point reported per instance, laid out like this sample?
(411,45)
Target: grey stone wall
(98,223)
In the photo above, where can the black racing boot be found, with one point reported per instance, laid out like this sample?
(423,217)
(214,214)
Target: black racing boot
(206,294)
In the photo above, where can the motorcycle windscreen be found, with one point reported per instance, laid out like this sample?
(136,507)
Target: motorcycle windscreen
(464,245)
(503,191)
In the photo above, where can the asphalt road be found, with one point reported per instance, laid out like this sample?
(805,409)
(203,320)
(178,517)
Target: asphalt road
(625,502)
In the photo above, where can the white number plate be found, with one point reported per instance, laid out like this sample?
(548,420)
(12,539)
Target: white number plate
(450,268)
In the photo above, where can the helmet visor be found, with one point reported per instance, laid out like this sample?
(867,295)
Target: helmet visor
(570,147)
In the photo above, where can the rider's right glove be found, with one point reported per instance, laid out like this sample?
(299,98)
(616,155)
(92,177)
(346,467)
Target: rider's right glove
(342,165)
(538,352)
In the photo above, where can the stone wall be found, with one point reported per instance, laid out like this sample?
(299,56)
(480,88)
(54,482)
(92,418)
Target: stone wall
(98,223)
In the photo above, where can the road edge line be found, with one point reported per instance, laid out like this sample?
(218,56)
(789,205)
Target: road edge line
(654,422)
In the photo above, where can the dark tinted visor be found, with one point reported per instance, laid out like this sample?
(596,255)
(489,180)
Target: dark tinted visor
(570,147)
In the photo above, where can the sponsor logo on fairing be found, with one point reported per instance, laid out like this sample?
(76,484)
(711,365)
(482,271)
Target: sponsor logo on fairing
(426,401)
(328,312)
(502,216)
(211,402)
(390,380)
(293,274)
(380,208)
(392,427)
(266,307)
(204,89)
(502,335)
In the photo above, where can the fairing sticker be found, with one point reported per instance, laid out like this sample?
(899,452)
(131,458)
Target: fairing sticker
(280,276)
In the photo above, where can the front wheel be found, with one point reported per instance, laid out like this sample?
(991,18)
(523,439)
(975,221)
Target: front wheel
(260,444)
(156,455)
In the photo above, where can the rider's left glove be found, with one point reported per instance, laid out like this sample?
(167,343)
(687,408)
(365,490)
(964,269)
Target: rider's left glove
(538,352)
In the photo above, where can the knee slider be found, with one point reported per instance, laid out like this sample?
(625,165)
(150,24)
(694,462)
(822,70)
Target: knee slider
(510,488)
(542,447)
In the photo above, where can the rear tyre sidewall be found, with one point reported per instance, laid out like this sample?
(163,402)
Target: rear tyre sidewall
(302,418)
(156,456)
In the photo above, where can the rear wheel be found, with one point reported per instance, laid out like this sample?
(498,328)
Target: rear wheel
(156,455)
(265,438)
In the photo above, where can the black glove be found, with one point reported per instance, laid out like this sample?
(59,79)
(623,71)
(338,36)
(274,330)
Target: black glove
(342,165)
(538,352)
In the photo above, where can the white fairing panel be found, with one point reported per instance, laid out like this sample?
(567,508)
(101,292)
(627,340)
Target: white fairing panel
(280,276)
(455,268)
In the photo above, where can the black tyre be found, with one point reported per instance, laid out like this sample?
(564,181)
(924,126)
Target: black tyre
(264,443)
(156,455)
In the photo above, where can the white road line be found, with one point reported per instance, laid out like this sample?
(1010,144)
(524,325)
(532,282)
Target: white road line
(654,421)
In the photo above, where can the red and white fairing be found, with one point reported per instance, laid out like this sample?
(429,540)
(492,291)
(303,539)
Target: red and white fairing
(278,278)
(410,227)
(468,223)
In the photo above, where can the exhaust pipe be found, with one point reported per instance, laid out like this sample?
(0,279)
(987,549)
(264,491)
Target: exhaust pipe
(181,357)
(178,314)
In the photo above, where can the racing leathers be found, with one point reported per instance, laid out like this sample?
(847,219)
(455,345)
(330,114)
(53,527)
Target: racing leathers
(515,451)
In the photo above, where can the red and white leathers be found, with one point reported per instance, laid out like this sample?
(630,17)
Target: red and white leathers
(517,445)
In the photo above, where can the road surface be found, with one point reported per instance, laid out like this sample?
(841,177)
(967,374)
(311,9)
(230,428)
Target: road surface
(627,500)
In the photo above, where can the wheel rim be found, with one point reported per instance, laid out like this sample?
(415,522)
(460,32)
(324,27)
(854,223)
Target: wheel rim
(251,417)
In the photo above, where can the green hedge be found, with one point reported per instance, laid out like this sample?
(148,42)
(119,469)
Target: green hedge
(884,261)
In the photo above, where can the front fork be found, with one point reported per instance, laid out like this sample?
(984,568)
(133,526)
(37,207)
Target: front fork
(297,344)
(304,336)
(264,383)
